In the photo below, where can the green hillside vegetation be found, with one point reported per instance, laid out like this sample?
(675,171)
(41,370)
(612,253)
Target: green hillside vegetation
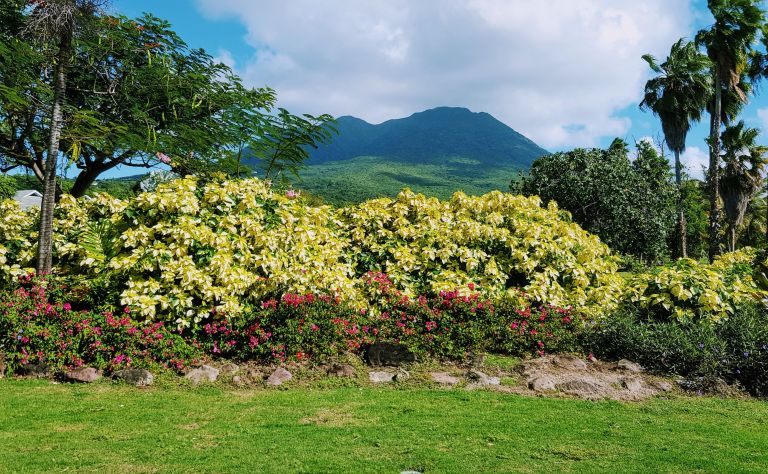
(355,180)
(436,152)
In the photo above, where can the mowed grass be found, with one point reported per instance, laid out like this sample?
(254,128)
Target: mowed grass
(113,428)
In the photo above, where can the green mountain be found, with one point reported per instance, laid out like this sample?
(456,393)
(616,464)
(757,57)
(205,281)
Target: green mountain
(436,152)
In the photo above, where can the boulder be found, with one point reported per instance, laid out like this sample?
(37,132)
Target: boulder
(137,377)
(480,378)
(629,366)
(444,378)
(342,370)
(39,369)
(632,384)
(381,377)
(279,377)
(402,375)
(82,375)
(569,362)
(387,353)
(542,383)
(229,369)
(582,388)
(203,374)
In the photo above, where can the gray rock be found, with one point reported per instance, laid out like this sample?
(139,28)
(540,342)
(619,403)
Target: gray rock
(39,369)
(237,380)
(279,377)
(482,379)
(137,377)
(83,375)
(662,386)
(569,362)
(542,383)
(342,370)
(381,377)
(580,388)
(229,368)
(202,374)
(629,366)
(402,375)
(387,353)
(444,378)
(633,384)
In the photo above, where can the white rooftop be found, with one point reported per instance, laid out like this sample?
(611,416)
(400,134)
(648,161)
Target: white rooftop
(28,198)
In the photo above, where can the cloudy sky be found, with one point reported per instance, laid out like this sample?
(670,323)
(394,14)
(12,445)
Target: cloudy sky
(565,73)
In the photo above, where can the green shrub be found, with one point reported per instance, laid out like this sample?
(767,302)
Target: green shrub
(687,290)
(734,349)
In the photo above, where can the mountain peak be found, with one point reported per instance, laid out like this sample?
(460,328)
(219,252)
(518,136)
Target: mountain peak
(432,136)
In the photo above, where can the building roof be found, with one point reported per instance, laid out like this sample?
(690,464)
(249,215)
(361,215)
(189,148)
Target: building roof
(28,198)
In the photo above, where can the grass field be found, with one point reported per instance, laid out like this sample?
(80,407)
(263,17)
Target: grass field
(112,428)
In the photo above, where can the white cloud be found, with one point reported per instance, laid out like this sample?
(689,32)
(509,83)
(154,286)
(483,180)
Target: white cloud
(762,115)
(225,57)
(695,160)
(558,71)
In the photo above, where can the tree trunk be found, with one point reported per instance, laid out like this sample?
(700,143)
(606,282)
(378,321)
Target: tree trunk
(83,181)
(714,172)
(682,228)
(45,241)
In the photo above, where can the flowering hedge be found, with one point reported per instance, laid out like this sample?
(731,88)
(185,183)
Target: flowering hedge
(188,249)
(44,328)
(451,324)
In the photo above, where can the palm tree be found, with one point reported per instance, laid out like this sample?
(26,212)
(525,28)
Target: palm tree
(57,22)
(742,177)
(678,96)
(729,43)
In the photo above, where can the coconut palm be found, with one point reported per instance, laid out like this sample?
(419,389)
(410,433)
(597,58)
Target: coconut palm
(744,162)
(56,22)
(729,43)
(678,96)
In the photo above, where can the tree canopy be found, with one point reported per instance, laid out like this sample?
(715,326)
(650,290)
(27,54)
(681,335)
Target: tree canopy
(629,204)
(137,95)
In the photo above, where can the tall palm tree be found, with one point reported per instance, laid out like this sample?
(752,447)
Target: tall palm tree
(729,43)
(744,161)
(56,22)
(678,96)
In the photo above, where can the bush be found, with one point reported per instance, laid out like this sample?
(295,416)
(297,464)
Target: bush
(499,241)
(734,349)
(295,327)
(189,247)
(39,326)
(690,291)
(455,325)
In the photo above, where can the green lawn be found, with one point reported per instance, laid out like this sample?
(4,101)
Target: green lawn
(111,428)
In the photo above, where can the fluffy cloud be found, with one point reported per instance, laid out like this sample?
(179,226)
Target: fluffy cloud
(695,160)
(558,71)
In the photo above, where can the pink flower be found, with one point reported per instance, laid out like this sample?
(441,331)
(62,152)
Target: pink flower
(67,307)
(163,157)
(291,194)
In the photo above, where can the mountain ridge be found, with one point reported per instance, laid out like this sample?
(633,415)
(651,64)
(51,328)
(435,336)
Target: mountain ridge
(430,136)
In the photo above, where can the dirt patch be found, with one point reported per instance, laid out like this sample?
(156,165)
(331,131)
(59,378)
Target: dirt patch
(587,379)
(340,416)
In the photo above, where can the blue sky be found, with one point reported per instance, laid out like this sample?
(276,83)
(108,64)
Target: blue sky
(566,73)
